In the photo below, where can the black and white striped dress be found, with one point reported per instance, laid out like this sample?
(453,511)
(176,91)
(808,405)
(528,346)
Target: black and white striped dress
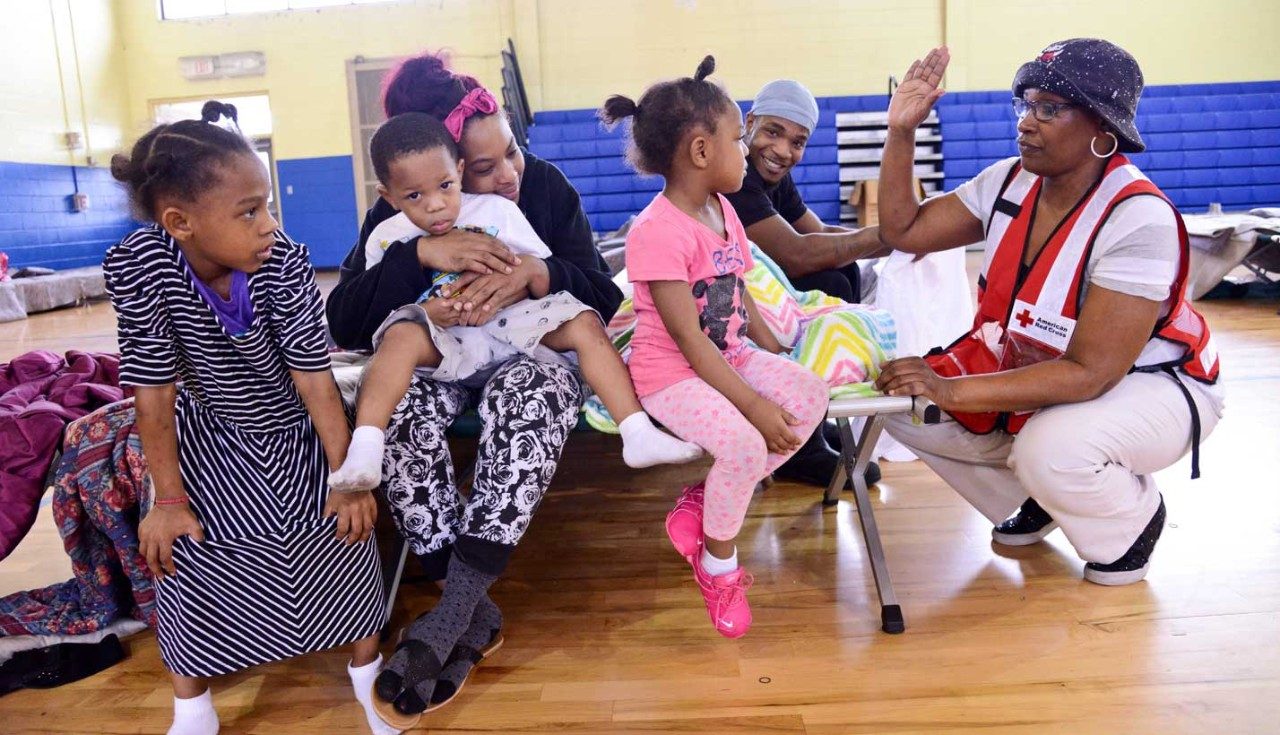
(270,581)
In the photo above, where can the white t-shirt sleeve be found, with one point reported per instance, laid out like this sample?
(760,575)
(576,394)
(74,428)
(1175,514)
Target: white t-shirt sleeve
(1137,250)
(388,232)
(502,214)
(979,193)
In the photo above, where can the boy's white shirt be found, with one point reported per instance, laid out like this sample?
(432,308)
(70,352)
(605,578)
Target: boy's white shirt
(477,210)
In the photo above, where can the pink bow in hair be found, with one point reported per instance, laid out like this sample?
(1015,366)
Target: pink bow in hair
(477,100)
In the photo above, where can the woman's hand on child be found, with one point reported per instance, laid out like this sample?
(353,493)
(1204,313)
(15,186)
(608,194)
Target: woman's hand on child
(163,525)
(483,296)
(356,514)
(774,424)
(462,251)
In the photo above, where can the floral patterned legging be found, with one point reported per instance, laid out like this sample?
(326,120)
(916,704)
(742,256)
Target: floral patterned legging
(527,409)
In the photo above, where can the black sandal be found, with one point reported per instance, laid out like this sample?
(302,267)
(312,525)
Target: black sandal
(441,697)
(398,706)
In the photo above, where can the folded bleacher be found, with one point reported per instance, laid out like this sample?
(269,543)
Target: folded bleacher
(1205,143)
(594,160)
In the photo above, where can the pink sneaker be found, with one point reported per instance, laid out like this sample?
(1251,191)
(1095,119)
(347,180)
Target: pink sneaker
(684,522)
(726,598)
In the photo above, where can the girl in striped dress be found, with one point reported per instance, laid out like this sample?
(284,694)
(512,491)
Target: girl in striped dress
(221,336)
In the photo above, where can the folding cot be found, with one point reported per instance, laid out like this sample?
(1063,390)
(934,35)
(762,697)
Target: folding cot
(856,453)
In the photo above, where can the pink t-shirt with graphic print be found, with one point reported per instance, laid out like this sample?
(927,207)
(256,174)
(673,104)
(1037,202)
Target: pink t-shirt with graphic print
(665,244)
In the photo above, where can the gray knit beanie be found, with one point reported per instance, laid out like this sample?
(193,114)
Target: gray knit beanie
(789,100)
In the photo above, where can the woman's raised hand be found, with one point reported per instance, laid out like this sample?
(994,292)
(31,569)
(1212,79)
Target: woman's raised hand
(918,90)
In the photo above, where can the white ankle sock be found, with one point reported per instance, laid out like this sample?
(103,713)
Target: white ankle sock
(715,566)
(645,445)
(363,468)
(194,716)
(362,679)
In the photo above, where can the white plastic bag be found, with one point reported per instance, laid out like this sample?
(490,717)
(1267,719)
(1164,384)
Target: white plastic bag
(929,299)
(931,305)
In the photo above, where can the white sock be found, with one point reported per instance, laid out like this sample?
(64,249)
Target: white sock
(363,468)
(362,679)
(715,566)
(645,445)
(194,716)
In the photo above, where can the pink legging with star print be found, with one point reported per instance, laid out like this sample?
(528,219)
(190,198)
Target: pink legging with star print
(698,413)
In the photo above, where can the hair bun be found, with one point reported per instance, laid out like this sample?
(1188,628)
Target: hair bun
(424,83)
(123,169)
(211,112)
(617,108)
(705,68)
(432,63)
(214,110)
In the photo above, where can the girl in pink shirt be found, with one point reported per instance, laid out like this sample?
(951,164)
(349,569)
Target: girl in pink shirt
(702,361)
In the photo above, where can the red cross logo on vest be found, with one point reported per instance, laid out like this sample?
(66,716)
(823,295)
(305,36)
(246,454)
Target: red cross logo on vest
(1025,318)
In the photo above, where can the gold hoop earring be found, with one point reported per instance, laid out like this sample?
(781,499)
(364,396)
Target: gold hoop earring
(1115,146)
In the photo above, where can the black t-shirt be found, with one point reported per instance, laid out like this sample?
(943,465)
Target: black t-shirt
(363,298)
(757,200)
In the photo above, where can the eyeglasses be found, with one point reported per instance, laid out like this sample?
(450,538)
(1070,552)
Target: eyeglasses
(1044,111)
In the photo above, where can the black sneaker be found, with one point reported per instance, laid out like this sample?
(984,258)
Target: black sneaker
(831,434)
(815,463)
(812,464)
(1132,567)
(1030,524)
(872,473)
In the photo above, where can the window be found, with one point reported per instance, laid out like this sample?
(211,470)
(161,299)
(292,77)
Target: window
(364,88)
(253,111)
(186,9)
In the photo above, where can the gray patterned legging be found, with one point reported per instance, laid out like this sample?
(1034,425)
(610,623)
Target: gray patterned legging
(527,409)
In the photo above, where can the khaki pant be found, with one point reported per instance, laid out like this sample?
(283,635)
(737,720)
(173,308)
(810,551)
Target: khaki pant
(1087,464)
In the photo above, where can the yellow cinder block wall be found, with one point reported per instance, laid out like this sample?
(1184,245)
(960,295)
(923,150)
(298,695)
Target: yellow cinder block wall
(63,63)
(306,52)
(574,52)
(592,49)
(1175,41)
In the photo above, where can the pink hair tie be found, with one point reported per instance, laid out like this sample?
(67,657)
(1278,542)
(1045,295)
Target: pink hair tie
(477,100)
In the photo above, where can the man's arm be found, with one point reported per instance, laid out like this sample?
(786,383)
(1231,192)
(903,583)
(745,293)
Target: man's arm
(806,247)
(810,223)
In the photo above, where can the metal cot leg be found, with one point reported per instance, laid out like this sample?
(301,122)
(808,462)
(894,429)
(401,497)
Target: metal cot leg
(856,456)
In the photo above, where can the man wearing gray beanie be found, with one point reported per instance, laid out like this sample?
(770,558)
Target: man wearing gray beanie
(813,255)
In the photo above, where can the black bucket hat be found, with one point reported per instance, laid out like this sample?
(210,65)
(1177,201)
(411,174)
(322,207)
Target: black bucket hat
(1095,74)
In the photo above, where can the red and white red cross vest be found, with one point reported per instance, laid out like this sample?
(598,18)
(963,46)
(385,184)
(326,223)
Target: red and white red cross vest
(1030,317)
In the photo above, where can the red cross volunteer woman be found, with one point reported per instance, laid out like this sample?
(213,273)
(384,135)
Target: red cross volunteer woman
(1086,370)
